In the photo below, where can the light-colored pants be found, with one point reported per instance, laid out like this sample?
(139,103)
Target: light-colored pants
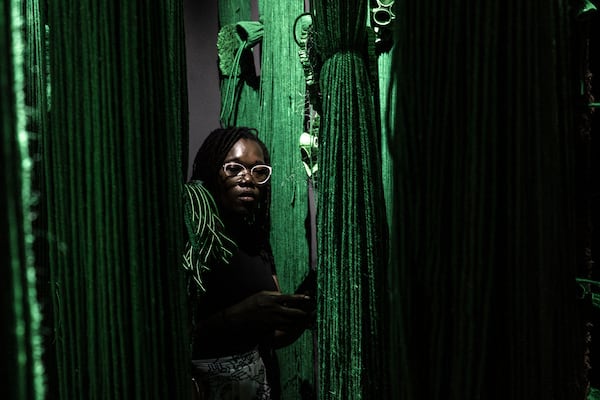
(237,377)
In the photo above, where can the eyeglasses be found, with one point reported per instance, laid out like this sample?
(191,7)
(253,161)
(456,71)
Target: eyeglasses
(260,173)
(382,14)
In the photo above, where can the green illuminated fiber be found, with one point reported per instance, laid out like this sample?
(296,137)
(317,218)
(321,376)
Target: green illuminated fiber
(20,335)
(282,98)
(387,98)
(114,172)
(386,114)
(485,251)
(233,11)
(239,80)
(352,229)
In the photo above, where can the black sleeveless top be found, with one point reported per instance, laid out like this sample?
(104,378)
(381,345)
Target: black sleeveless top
(248,272)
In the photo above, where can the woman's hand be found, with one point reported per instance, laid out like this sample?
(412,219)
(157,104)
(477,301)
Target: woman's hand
(271,310)
(266,311)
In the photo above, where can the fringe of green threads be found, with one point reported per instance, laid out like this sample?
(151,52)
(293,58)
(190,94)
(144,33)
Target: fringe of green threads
(352,223)
(30,372)
(114,178)
(207,244)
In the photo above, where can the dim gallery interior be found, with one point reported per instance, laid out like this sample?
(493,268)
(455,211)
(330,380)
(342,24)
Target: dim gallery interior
(435,164)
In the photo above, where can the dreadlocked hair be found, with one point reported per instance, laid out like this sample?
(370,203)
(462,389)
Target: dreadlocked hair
(209,160)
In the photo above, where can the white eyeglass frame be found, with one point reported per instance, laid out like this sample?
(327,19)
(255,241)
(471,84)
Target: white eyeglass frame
(245,170)
(383,10)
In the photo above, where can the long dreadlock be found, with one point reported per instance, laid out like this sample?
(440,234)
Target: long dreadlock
(207,163)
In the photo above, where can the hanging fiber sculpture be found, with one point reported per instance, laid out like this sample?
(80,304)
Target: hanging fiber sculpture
(114,175)
(282,114)
(20,334)
(234,44)
(352,229)
(239,80)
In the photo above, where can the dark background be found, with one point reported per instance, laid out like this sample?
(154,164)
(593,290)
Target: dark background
(201,27)
(594,187)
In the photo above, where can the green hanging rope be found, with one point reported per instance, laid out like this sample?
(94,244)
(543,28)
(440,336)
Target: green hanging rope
(114,175)
(282,108)
(21,332)
(352,229)
(230,68)
(239,80)
(233,41)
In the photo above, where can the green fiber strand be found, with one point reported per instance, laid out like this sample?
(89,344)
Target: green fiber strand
(114,176)
(239,92)
(208,243)
(282,115)
(352,224)
(22,328)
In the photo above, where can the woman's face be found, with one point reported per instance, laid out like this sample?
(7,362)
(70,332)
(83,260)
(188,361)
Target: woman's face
(240,194)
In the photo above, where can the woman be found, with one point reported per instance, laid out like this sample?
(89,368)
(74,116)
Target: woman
(239,313)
